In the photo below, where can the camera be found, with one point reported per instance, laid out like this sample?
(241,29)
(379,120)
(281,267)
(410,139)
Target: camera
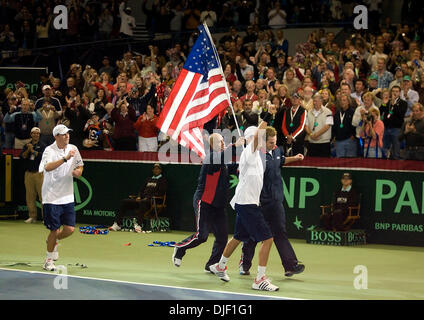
(369,118)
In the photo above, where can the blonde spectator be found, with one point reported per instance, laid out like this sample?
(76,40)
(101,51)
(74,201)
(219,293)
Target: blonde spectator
(372,131)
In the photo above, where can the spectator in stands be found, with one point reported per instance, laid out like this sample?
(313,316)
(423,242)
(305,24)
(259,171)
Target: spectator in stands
(191,17)
(236,91)
(283,93)
(372,132)
(281,44)
(23,122)
(343,132)
(77,115)
(384,77)
(249,117)
(291,82)
(413,134)
(127,21)
(49,117)
(105,24)
(318,128)
(359,91)
(409,95)
(293,127)
(307,101)
(106,68)
(250,92)
(7,39)
(147,130)
(397,81)
(393,114)
(42,32)
(48,96)
(260,103)
(328,99)
(277,17)
(124,117)
(9,130)
(377,51)
(360,111)
(209,16)
(155,186)
(33,179)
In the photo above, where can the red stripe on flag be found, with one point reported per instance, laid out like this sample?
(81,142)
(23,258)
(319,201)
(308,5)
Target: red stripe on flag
(205,105)
(186,100)
(171,97)
(204,92)
(216,110)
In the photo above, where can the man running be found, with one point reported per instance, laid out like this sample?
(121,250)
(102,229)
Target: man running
(250,222)
(61,162)
(209,201)
(271,199)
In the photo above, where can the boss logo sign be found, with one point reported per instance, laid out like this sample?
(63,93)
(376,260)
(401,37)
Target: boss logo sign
(336,238)
(324,236)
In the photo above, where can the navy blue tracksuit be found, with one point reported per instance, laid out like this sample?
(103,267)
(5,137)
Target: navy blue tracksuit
(271,203)
(209,202)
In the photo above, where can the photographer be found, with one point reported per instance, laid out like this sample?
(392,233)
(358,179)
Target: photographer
(372,131)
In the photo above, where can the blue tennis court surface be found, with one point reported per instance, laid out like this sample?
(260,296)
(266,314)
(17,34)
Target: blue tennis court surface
(30,285)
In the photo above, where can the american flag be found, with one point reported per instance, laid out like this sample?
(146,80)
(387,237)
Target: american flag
(198,95)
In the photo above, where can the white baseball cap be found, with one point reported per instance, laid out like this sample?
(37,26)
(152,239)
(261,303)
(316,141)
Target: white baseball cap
(251,131)
(60,129)
(35,129)
(46,87)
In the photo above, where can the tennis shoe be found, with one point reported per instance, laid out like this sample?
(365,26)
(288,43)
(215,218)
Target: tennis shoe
(220,273)
(264,284)
(49,265)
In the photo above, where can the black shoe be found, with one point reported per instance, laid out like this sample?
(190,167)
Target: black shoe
(207,270)
(298,268)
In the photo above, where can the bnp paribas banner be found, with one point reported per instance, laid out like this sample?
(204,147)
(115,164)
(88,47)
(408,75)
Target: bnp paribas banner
(392,203)
(392,207)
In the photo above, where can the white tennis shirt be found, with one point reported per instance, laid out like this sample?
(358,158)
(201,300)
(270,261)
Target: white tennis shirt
(251,178)
(58,184)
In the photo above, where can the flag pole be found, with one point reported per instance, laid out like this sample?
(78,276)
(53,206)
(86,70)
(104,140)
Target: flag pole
(222,74)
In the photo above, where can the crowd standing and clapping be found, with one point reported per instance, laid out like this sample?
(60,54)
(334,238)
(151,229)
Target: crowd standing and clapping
(362,98)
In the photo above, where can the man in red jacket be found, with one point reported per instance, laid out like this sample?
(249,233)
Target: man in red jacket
(147,131)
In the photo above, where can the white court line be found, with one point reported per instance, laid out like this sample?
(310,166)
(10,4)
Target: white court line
(154,285)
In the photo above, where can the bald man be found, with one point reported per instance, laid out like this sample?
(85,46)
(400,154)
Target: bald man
(209,202)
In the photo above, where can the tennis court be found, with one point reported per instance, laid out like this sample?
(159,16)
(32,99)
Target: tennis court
(121,265)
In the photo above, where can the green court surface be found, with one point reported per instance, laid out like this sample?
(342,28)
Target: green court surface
(393,272)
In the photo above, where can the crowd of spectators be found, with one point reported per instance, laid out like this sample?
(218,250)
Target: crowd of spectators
(29,24)
(362,98)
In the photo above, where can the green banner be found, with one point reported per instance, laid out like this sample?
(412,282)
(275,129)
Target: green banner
(9,76)
(392,205)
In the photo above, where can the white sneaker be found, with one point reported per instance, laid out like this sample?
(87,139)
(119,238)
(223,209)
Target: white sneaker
(137,228)
(115,227)
(264,284)
(175,261)
(30,220)
(49,265)
(220,273)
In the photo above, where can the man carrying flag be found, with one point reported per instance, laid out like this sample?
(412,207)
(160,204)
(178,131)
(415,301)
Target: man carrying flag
(198,96)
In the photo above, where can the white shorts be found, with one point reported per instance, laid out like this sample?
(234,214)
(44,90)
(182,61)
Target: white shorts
(148,144)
